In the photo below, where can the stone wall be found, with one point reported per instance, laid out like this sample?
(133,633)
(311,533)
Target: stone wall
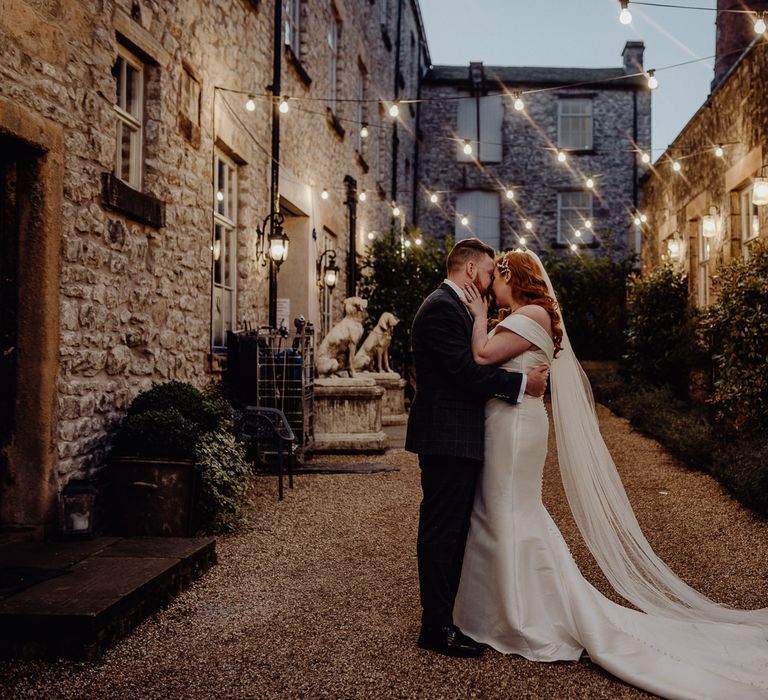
(135,298)
(528,161)
(735,115)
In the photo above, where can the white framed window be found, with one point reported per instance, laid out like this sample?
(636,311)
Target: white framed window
(574,209)
(703,286)
(334,32)
(482,212)
(486,143)
(293,26)
(750,221)
(575,124)
(224,248)
(129,76)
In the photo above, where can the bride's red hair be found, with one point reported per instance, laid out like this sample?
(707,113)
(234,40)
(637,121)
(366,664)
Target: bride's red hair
(528,286)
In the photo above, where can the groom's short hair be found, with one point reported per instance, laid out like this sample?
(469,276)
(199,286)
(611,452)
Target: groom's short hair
(466,250)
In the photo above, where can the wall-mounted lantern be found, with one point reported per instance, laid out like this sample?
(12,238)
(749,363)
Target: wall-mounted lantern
(328,274)
(272,246)
(709,223)
(760,191)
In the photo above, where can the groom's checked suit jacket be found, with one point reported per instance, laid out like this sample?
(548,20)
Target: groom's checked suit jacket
(448,413)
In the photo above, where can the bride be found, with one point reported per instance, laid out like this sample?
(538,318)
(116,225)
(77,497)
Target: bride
(521,591)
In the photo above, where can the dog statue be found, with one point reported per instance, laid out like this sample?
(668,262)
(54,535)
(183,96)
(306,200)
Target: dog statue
(373,355)
(337,351)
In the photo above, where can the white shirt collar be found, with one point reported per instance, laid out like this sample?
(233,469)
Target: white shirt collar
(455,287)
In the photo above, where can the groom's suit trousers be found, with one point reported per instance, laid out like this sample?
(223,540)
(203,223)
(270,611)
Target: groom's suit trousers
(448,484)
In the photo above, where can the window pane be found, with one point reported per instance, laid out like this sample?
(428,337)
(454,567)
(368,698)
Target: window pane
(221,196)
(228,256)
(231,193)
(126,139)
(217,252)
(132,91)
(218,302)
(227,312)
(119,72)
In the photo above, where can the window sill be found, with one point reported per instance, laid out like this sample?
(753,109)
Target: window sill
(134,204)
(362,162)
(334,123)
(297,65)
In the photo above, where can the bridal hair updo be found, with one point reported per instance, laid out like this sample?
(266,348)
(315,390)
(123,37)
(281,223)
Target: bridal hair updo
(521,272)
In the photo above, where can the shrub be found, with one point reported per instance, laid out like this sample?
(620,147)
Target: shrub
(743,467)
(164,434)
(592,292)
(398,279)
(224,481)
(661,338)
(738,328)
(186,399)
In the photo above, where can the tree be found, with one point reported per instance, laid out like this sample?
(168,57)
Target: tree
(400,271)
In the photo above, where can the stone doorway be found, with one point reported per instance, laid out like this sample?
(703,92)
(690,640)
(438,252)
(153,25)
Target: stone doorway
(31,189)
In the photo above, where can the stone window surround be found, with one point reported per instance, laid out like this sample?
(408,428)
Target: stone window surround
(593,242)
(29,499)
(137,205)
(560,101)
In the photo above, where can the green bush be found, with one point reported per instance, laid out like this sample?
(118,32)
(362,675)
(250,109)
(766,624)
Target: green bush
(397,279)
(743,467)
(184,398)
(224,481)
(163,434)
(661,343)
(592,293)
(737,326)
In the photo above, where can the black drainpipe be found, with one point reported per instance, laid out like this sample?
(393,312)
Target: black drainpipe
(417,140)
(395,137)
(351,185)
(274,185)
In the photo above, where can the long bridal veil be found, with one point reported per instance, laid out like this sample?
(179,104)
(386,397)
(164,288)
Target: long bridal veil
(602,510)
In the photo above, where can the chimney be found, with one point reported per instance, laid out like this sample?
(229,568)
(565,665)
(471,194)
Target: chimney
(633,56)
(735,32)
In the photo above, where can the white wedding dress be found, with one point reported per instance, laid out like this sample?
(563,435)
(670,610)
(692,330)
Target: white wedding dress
(522,593)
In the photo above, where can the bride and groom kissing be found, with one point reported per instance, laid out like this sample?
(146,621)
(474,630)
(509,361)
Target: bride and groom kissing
(494,569)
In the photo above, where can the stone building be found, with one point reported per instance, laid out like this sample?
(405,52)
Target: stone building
(135,178)
(705,213)
(512,188)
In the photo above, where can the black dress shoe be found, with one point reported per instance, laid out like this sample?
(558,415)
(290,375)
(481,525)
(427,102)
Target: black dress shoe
(449,640)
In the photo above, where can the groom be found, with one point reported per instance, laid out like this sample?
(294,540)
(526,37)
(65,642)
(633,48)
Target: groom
(446,428)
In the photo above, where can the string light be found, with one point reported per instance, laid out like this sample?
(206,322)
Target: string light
(522,240)
(561,156)
(653,82)
(364,131)
(574,247)
(643,218)
(467,148)
(646,158)
(519,104)
(676,166)
(719,151)
(510,194)
(362,196)
(760,24)
(529,225)
(418,241)
(577,233)
(371,235)
(433,198)
(407,244)
(394,110)
(283,106)
(588,224)
(637,221)
(251,104)
(324,194)
(395,210)
(465,221)
(220,196)
(590,183)
(625,16)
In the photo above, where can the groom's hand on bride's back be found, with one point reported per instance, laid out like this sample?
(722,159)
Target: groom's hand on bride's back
(537,381)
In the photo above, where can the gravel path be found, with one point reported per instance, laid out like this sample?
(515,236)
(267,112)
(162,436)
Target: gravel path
(318,597)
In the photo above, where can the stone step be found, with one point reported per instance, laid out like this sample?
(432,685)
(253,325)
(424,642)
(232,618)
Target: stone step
(76,599)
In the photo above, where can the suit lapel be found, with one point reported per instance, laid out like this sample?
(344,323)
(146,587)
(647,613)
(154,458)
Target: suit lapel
(460,308)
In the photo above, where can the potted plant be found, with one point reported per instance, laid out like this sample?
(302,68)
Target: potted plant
(176,465)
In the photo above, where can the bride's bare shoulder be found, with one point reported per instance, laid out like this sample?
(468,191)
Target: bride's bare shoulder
(536,313)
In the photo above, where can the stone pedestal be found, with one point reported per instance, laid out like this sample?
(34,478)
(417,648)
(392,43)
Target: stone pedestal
(393,412)
(348,415)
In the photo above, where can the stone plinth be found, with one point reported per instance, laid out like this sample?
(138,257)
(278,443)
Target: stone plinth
(348,415)
(393,411)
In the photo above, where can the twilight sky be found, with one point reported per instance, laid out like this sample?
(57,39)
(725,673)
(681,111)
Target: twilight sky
(582,33)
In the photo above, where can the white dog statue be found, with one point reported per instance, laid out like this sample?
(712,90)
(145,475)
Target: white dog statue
(373,355)
(337,351)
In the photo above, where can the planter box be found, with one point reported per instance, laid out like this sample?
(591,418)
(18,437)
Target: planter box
(154,497)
